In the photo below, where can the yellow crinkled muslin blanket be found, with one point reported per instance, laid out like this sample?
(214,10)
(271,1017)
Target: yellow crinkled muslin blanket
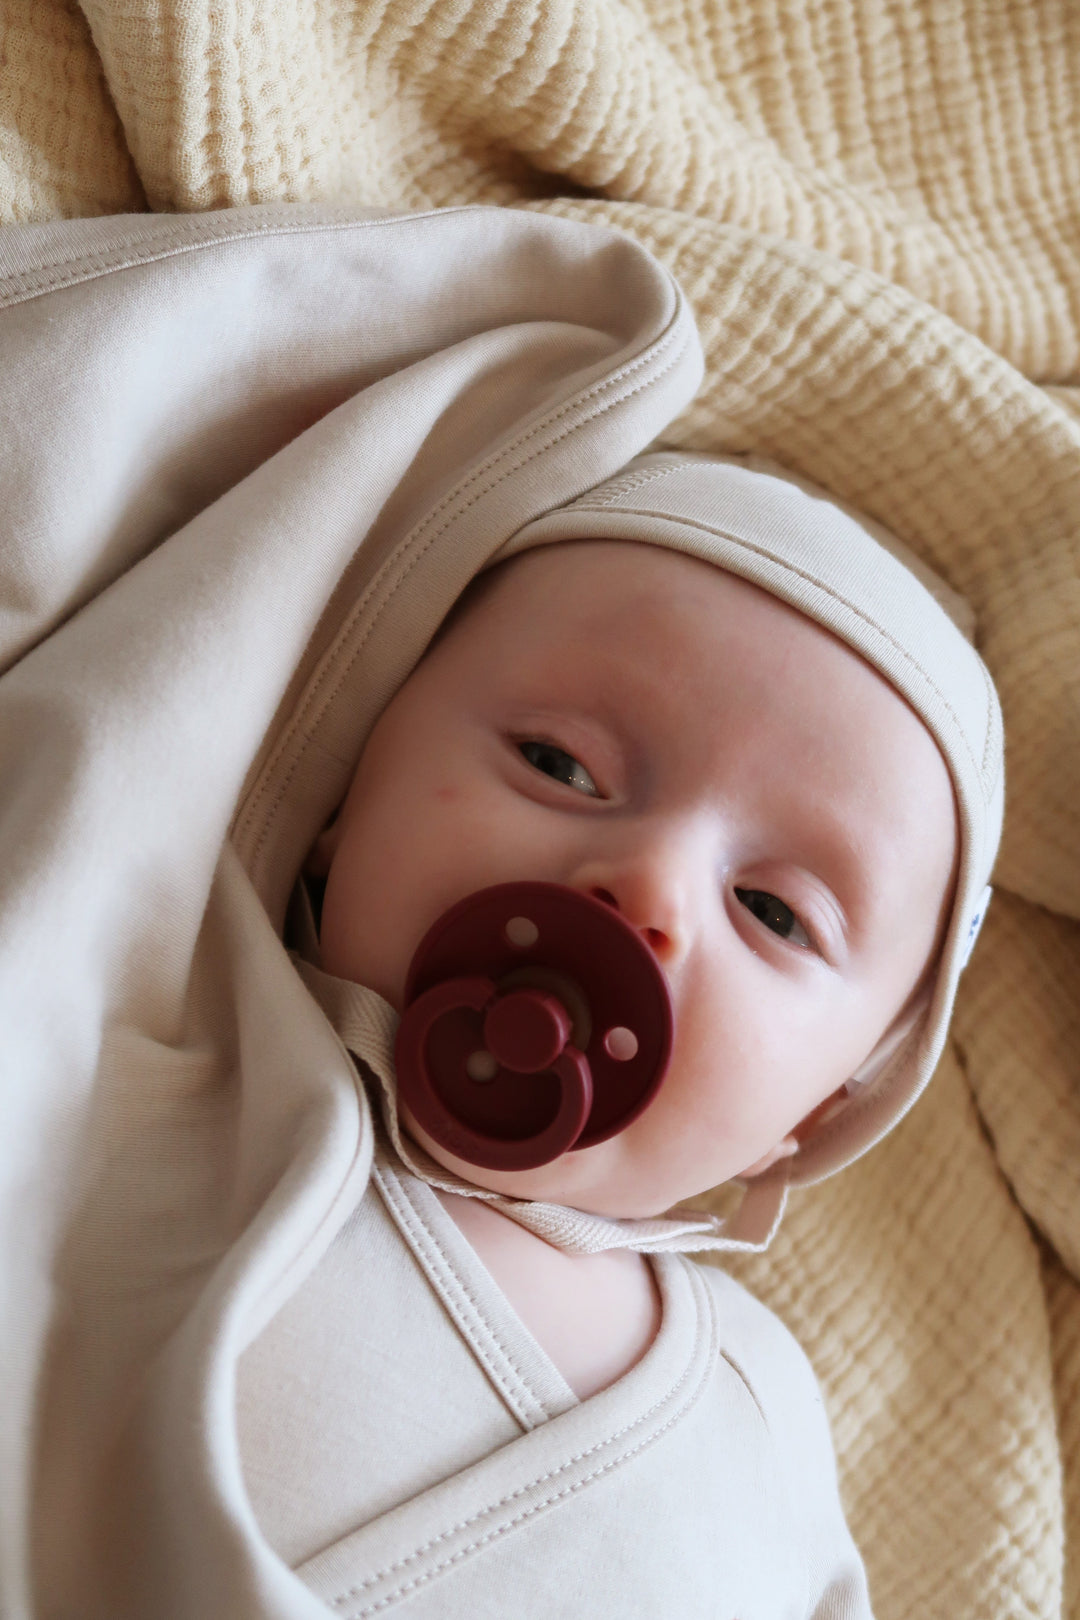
(874,207)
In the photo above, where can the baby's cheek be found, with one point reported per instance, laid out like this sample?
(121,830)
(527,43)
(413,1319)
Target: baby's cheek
(734,1086)
(361,912)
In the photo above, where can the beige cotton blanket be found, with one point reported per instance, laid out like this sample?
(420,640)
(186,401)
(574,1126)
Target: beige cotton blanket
(874,209)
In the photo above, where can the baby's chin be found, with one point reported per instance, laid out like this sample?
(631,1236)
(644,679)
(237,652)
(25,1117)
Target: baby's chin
(601,1180)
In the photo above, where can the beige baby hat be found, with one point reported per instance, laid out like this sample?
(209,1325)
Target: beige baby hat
(758,521)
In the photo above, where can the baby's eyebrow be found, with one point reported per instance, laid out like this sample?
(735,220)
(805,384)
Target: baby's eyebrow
(855,878)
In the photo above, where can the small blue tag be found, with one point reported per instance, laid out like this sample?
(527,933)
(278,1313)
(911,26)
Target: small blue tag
(973,927)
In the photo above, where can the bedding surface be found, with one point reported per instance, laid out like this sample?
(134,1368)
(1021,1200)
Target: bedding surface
(873,209)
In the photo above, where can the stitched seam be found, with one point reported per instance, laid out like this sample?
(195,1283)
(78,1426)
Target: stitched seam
(619,491)
(827,590)
(524,1395)
(556,1496)
(91,265)
(424,1238)
(520,1518)
(418,546)
(620,488)
(993,727)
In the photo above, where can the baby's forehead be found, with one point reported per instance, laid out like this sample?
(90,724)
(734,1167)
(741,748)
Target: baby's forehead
(667,639)
(593,577)
(663,628)
(628,597)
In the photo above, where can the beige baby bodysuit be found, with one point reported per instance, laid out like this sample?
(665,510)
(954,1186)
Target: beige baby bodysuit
(408,1446)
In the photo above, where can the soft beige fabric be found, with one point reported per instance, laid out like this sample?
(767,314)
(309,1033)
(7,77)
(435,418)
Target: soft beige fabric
(250,460)
(873,209)
(701,1483)
(396,1364)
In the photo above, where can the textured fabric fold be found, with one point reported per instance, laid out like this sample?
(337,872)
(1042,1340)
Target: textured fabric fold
(227,443)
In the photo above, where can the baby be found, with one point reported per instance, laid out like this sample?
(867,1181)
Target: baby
(759,738)
(315,558)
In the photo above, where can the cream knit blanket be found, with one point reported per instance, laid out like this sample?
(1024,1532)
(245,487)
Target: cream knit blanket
(874,206)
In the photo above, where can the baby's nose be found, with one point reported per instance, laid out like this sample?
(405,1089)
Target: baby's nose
(660,939)
(650,893)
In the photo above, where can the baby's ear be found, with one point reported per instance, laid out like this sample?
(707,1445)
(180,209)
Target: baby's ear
(323,850)
(784,1149)
(789,1145)
(818,1115)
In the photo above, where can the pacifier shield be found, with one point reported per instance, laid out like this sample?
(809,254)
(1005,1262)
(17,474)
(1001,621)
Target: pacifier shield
(536,1020)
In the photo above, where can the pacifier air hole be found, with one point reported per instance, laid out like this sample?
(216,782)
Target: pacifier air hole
(481,1066)
(621,1044)
(522,932)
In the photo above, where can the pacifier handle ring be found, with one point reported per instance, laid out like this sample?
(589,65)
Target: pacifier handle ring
(430,1112)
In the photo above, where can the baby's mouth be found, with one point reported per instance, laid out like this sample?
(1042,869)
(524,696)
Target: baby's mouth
(536,1021)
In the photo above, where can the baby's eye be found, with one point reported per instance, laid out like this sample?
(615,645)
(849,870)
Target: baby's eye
(775,915)
(557,763)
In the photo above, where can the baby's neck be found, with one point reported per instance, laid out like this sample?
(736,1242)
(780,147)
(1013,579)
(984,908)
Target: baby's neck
(595,1315)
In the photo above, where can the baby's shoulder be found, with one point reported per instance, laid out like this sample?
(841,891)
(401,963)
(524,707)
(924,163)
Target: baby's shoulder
(770,1361)
(757,1346)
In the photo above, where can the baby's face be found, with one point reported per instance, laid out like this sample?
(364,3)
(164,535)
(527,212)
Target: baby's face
(750,795)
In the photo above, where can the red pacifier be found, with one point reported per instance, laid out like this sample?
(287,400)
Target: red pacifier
(536,1020)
